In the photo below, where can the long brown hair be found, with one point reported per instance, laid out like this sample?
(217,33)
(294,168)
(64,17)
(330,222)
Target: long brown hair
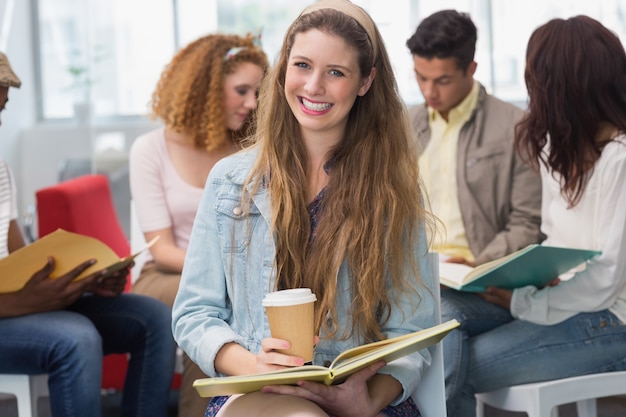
(372,206)
(189,96)
(576,80)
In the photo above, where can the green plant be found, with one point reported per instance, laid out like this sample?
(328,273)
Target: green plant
(81,82)
(81,73)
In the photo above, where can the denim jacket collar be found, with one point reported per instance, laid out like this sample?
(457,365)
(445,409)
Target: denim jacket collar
(238,175)
(241,169)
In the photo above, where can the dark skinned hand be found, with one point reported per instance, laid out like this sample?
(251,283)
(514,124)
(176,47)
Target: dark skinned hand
(498,296)
(502,297)
(111,284)
(42,293)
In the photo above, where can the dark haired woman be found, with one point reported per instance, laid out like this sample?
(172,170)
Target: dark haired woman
(575,134)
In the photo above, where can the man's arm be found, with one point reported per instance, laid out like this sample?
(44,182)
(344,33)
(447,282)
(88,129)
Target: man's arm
(524,222)
(42,293)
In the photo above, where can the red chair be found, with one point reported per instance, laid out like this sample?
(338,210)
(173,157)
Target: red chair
(84,205)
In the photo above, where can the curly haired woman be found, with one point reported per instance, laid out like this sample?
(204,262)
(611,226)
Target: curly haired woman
(205,99)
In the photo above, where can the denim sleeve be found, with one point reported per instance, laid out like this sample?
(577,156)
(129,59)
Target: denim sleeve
(202,310)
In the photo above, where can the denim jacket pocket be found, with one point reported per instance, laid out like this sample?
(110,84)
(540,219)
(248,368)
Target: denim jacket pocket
(234,225)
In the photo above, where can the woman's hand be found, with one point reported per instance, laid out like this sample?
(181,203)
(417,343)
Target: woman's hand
(234,359)
(502,297)
(556,281)
(269,359)
(498,296)
(349,399)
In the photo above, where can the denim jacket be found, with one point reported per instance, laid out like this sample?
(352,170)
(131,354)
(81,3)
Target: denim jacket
(229,267)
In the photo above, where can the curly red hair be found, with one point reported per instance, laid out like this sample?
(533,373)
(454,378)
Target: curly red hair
(189,96)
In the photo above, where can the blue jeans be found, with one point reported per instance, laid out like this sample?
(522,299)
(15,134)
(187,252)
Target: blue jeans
(491,349)
(69,345)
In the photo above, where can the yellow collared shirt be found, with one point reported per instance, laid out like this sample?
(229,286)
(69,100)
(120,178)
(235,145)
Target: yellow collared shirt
(438,170)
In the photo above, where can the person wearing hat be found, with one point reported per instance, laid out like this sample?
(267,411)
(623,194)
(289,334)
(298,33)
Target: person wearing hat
(63,328)
(7,79)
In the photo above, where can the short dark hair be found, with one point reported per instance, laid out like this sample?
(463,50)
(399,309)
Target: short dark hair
(445,34)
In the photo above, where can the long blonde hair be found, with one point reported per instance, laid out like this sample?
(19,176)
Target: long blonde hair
(372,207)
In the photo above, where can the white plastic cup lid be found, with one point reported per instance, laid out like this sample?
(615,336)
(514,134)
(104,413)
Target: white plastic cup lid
(289,297)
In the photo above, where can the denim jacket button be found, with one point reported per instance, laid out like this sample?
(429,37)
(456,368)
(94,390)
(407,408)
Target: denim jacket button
(327,363)
(237,211)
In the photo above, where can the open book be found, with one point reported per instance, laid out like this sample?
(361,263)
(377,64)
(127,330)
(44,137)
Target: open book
(68,249)
(344,365)
(534,265)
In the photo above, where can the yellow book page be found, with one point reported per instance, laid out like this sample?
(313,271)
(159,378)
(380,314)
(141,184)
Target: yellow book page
(211,387)
(487,266)
(453,275)
(68,249)
(344,365)
(456,275)
(389,350)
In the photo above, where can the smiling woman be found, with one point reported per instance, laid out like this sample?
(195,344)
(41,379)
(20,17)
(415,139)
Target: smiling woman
(327,198)
(322,84)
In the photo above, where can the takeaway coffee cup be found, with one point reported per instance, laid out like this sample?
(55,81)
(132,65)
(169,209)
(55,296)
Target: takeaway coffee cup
(290,316)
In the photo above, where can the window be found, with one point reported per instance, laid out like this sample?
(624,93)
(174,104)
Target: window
(514,21)
(107,52)
(111,52)
(272,17)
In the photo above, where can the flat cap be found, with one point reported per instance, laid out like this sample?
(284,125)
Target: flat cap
(7,76)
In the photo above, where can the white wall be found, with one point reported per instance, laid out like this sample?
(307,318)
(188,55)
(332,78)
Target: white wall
(34,150)
(43,147)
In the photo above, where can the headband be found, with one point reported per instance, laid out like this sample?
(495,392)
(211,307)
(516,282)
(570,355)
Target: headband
(256,41)
(350,9)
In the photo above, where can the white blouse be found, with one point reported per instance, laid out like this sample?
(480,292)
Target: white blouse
(8,206)
(597,222)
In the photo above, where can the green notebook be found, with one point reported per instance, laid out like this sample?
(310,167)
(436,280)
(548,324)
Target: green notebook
(534,265)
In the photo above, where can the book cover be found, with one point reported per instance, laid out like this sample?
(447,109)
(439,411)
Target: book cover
(343,366)
(68,249)
(533,265)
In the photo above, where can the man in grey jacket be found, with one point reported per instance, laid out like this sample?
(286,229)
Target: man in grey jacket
(487,198)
